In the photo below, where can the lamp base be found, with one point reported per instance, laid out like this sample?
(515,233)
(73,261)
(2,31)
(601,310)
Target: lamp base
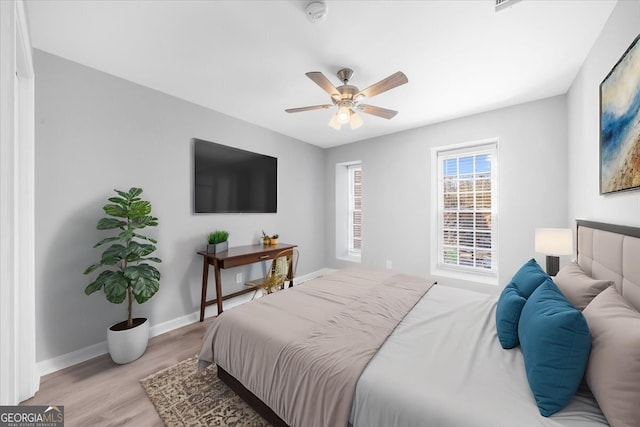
(553,265)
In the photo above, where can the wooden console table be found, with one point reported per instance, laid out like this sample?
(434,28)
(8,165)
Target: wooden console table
(233,257)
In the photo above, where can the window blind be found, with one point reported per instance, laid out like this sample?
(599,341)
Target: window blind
(355,208)
(467,208)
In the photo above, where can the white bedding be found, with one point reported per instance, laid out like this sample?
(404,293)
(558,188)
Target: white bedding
(444,367)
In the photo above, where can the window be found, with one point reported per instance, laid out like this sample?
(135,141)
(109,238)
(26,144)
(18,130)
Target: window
(467,208)
(349,211)
(355,208)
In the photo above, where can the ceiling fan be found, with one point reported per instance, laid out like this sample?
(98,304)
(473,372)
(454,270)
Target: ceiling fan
(349,98)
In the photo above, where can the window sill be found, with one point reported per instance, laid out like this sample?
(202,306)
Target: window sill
(350,258)
(487,279)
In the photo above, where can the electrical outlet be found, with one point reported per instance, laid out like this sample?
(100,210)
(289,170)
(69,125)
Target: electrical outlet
(239,278)
(389,264)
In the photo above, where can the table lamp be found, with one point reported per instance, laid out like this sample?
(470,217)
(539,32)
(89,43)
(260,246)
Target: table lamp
(554,242)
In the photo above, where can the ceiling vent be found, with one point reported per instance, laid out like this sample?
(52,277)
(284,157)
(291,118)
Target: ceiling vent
(503,4)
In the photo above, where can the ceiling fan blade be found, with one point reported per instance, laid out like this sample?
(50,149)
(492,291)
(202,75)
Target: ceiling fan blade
(394,80)
(312,107)
(324,83)
(377,111)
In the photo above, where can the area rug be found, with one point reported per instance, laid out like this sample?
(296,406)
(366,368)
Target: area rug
(184,396)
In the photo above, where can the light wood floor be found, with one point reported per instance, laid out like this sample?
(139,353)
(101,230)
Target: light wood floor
(99,392)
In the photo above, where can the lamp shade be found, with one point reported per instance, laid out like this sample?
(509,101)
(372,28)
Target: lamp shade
(554,241)
(343,114)
(334,123)
(356,120)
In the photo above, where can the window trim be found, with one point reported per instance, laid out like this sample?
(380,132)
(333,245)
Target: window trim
(471,274)
(342,252)
(351,250)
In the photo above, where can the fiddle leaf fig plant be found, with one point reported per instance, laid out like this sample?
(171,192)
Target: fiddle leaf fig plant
(126,273)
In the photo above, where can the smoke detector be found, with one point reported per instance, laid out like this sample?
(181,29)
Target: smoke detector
(504,4)
(316,11)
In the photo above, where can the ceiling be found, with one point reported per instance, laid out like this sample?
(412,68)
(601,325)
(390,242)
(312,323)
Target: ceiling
(248,59)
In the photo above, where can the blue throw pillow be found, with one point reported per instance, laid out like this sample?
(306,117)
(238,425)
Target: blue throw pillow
(512,299)
(555,342)
(529,277)
(508,315)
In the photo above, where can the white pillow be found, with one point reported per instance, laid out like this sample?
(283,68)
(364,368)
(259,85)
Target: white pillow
(577,286)
(613,371)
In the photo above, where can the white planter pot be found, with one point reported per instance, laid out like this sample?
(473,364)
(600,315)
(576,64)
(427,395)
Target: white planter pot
(129,344)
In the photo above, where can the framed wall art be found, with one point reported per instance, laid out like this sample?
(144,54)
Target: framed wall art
(620,124)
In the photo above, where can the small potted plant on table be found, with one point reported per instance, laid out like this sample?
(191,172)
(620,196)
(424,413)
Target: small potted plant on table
(218,241)
(269,240)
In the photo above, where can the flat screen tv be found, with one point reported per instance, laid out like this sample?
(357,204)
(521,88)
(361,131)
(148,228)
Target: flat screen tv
(231,180)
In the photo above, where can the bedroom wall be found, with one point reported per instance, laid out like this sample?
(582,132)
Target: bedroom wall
(95,132)
(583,105)
(397,186)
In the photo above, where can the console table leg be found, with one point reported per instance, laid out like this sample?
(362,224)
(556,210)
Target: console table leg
(216,269)
(205,277)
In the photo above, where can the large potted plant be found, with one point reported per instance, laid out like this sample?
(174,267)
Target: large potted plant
(125,272)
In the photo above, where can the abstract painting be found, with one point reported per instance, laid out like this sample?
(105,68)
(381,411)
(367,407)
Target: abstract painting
(620,124)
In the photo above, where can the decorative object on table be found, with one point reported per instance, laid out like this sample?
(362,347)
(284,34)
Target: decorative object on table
(126,274)
(269,240)
(184,395)
(554,242)
(282,269)
(619,124)
(217,241)
(266,239)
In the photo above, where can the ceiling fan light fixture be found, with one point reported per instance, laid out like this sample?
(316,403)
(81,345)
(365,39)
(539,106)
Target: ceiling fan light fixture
(355,121)
(334,123)
(343,115)
(348,98)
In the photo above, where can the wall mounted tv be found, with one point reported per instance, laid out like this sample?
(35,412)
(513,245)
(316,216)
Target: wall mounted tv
(231,180)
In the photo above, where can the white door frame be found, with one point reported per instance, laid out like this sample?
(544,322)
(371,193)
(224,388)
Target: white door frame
(20,379)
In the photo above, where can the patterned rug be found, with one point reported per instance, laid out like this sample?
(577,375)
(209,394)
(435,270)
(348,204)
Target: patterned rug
(184,396)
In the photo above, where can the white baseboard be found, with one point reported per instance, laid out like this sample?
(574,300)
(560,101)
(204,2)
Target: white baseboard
(313,275)
(64,361)
(60,362)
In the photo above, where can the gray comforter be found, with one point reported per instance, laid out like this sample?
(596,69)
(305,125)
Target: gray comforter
(301,351)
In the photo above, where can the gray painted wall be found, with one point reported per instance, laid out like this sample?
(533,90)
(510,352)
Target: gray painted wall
(85,119)
(397,186)
(583,101)
(96,132)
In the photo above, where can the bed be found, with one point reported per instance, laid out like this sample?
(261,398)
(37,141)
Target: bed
(345,349)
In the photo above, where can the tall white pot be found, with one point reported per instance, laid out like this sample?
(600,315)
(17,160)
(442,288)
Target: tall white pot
(128,344)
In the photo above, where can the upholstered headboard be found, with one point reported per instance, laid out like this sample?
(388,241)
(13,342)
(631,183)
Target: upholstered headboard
(611,252)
